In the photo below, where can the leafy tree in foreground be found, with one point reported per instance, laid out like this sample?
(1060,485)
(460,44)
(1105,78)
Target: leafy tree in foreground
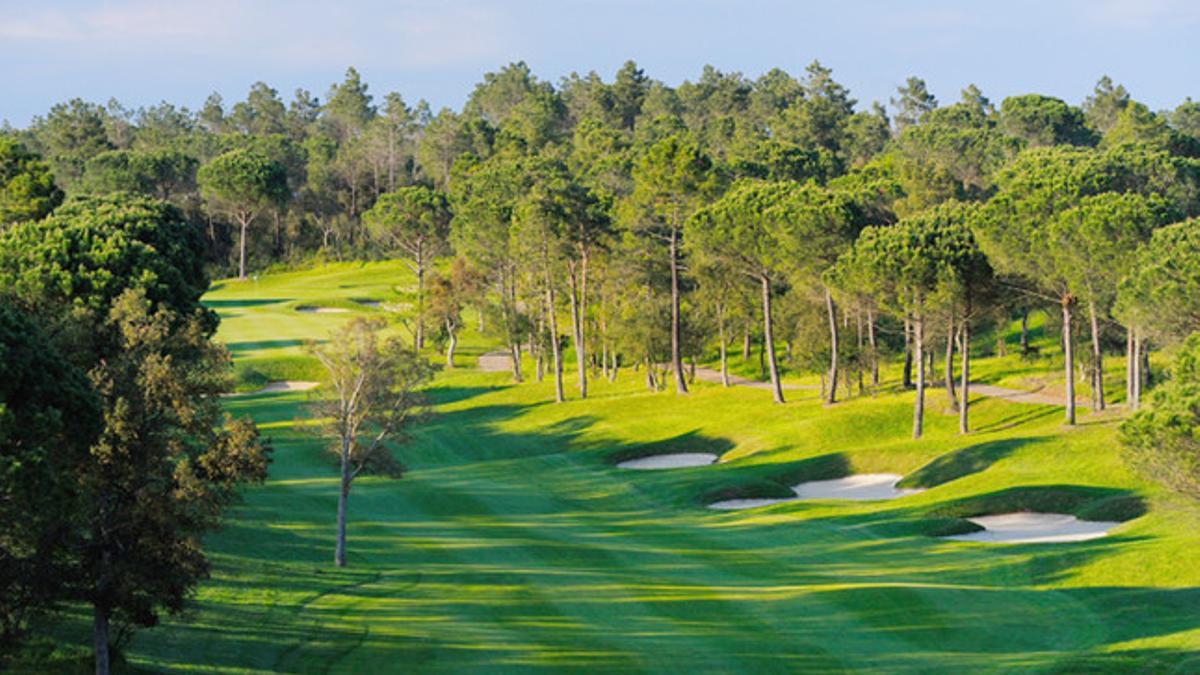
(121,280)
(49,417)
(1162,439)
(244,183)
(375,399)
(448,294)
(27,189)
(414,221)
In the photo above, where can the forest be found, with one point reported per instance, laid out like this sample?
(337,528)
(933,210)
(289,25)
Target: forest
(773,228)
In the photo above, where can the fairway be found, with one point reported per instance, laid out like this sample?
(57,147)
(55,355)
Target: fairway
(514,542)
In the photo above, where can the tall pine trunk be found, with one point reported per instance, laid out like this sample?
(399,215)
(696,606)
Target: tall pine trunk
(453,335)
(769,339)
(950,395)
(746,344)
(721,330)
(831,396)
(1129,367)
(874,348)
(676,360)
(1097,360)
(577,333)
(907,382)
(918,326)
(244,222)
(555,352)
(1068,360)
(858,361)
(1024,331)
(419,337)
(964,387)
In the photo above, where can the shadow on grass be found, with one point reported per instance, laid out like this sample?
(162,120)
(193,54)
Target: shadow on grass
(963,462)
(250,345)
(1029,414)
(233,304)
(443,395)
(691,441)
(775,481)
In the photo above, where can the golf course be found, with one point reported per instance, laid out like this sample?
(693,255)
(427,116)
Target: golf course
(513,542)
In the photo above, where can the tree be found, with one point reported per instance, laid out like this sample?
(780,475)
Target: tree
(121,279)
(1161,440)
(27,188)
(669,182)
(448,295)
(70,135)
(244,183)
(162,174)
(414,221)
(1160,298)
(744,230)
(49,417)
(1016,229)
(1044,120)
(913,268)
(1106,101)
(913,103)
(375,400)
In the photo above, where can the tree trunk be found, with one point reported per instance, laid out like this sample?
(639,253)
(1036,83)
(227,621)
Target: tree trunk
(100,639)
(769,340)
(918,346)
(1136,371)
(1129,367)
(650,383)
(874,348)
(833,348)
(612,373)
(1068,360)
(245,225)
(745,344)
(676,360)
(1024,331)
(339,551)
(724,347)
(555,352)
(858,361)
(950,395)
(1097,360)
(907,382)
(515,350)
(577,333)
(453,343)
(419,337)
(964,388)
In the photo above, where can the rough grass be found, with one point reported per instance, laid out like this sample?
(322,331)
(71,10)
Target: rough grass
(513,543)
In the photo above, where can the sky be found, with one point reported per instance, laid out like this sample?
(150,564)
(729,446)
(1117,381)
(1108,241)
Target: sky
(142,52)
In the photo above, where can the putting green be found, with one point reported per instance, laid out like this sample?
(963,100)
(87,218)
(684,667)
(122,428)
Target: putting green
(515,542)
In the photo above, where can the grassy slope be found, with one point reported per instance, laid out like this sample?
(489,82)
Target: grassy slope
(514,542)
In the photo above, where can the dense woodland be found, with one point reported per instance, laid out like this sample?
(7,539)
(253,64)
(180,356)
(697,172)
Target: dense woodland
(620,224)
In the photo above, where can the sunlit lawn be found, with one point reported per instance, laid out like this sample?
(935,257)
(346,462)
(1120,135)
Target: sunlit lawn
(514,542)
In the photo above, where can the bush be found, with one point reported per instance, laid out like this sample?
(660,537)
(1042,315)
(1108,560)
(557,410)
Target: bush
(1162,440)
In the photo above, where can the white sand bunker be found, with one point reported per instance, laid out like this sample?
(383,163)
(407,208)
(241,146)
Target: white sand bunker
(322,310)
(288,385)
(1027,527)
(737,504)
(859,487)
(679,460)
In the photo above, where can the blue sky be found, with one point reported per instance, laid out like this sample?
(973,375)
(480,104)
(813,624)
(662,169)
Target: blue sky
(143,51)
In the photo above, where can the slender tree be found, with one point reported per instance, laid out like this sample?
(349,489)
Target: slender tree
(244,184)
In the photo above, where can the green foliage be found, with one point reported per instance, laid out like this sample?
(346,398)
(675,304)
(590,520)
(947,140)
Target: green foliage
(27,188)
(1044,120)
(413,220)
(244,182)
(161,174)
(1162,440)
(92,250)
(49,416)
(1162,295)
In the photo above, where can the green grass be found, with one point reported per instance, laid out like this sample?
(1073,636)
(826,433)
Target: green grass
(514,543)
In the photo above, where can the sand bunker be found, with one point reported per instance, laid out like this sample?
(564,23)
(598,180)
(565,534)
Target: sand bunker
(863,486)
(737,504)
(1027,527)
(322,310)
(288,385)
(369,303)
(679,460)
(860,487)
